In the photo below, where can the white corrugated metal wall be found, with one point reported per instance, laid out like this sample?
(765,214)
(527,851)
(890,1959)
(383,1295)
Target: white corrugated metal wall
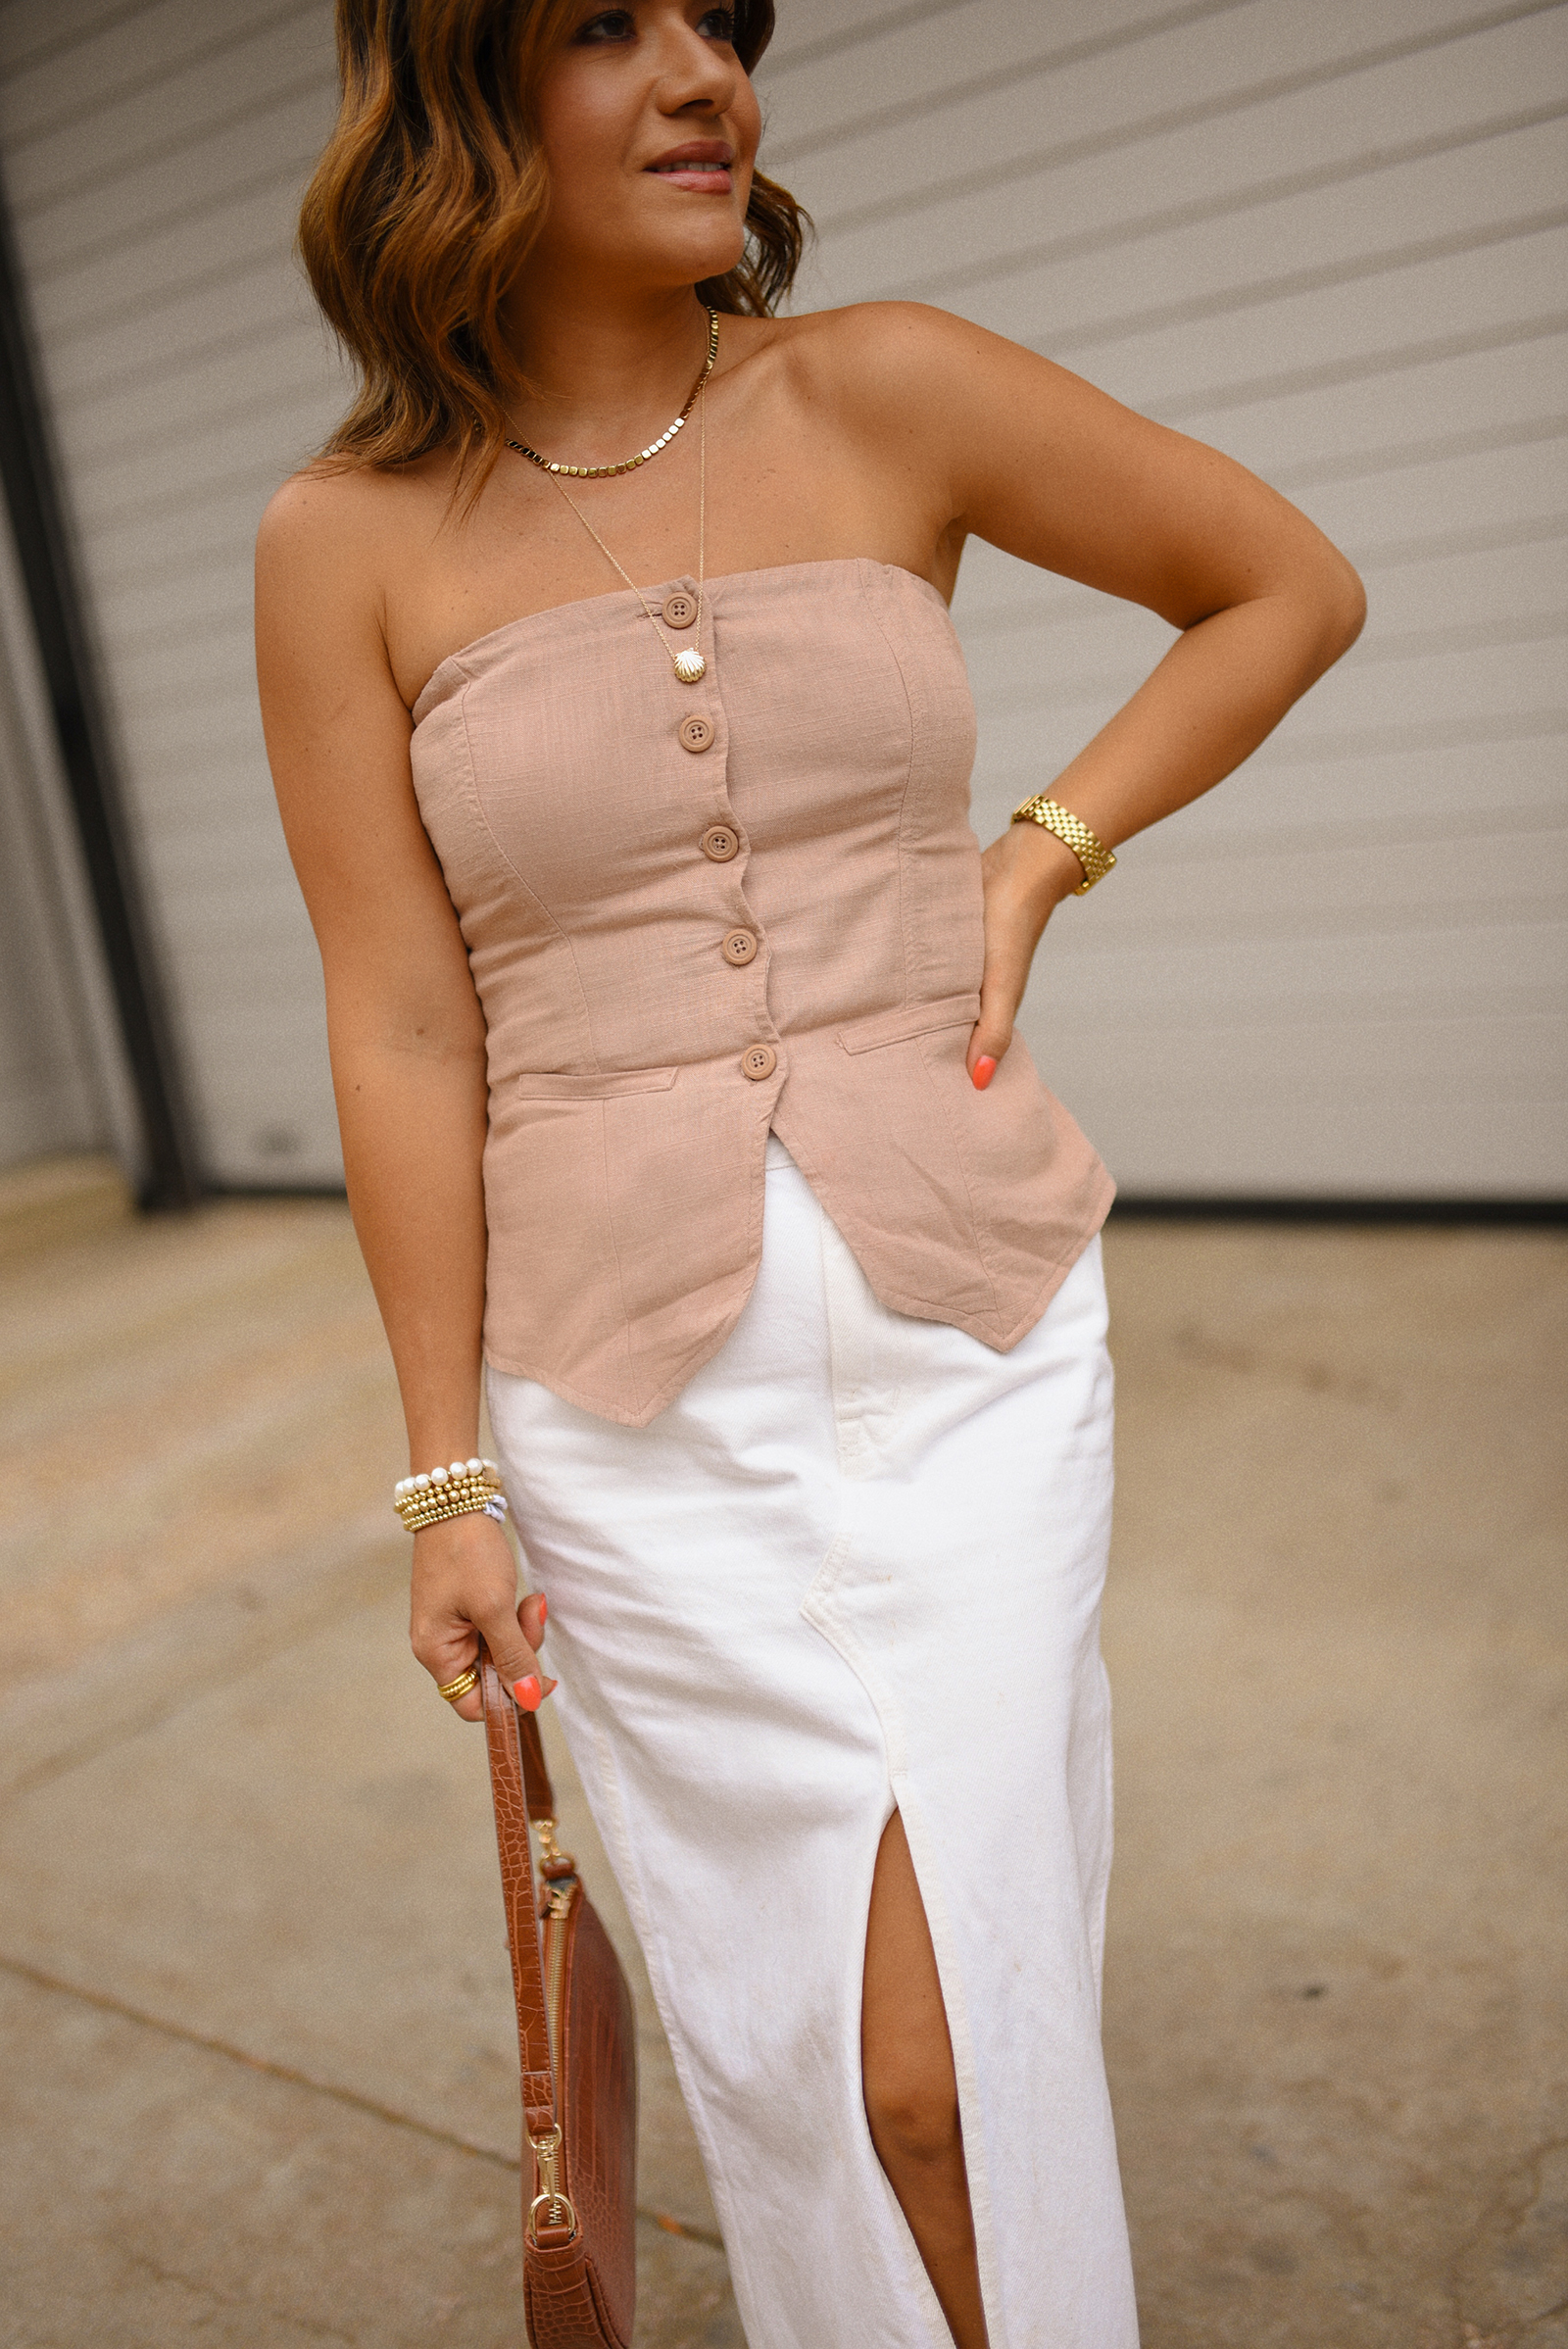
(1328,239)
(53,1095)
(154,157)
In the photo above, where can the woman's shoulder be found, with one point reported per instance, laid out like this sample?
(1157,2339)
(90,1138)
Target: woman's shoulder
(344,513)
(896,334)
(333,541)
(881,358)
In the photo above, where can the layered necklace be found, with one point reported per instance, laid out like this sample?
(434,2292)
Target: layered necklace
(686,661)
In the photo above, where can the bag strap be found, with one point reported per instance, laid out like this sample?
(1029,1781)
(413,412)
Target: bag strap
(536,1787)
(520,1785)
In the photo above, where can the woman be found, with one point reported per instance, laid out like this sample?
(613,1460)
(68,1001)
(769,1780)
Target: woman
(671,1007)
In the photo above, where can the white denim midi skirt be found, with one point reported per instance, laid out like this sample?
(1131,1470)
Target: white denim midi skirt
(857,1564)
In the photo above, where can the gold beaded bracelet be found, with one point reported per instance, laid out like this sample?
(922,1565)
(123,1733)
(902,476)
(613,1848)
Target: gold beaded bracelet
(461,1491)
(1073,833)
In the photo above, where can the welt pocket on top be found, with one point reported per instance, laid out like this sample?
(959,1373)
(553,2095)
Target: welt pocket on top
(603,1085)
(911,1020)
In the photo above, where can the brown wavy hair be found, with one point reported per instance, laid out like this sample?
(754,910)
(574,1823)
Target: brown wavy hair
(427,200)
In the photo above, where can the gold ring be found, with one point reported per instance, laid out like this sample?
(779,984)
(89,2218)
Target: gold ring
(459,1688)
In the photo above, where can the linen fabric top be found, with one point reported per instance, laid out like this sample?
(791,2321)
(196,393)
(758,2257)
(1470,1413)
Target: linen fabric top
(696,913)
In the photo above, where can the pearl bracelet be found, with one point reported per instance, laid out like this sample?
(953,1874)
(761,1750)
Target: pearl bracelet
(467,1489)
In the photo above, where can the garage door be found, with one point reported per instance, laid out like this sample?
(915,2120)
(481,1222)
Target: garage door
(1330,240)
(153,157)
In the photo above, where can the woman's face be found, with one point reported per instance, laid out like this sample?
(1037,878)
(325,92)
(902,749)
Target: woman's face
(648,127)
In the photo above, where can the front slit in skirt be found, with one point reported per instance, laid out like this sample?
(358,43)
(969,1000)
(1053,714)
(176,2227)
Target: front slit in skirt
(857,1564)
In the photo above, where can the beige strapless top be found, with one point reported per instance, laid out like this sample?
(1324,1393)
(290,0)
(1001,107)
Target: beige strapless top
(696,913)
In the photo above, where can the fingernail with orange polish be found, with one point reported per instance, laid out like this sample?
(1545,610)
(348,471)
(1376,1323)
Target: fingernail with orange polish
(551,1686)
(529,1692)
(544,1608)
(985,1068)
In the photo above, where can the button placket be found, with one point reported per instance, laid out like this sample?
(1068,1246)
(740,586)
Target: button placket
(696,731)
(719,843)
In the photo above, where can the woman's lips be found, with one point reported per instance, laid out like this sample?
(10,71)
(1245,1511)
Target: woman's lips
(709,178)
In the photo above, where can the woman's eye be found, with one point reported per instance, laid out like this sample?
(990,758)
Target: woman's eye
(610,24)
(621,25)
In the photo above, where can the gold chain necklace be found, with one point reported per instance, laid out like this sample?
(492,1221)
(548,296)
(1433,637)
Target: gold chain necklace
(688,664)
(629,464)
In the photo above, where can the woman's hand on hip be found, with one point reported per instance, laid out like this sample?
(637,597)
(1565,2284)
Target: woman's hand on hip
(1026,874)
(466,1583)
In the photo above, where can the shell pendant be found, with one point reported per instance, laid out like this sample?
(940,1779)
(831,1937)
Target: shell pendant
(690,666)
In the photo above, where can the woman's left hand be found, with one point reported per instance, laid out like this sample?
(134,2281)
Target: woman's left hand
(1026,873)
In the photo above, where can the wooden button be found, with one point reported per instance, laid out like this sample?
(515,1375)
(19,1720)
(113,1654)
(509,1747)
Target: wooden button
(759,1061)
(739,946)
(680,610)
(696,732)
(721,841)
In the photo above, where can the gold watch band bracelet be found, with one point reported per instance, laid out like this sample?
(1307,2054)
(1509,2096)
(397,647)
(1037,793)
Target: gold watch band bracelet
(1091,853)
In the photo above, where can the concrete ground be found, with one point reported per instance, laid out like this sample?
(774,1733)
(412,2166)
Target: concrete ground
(257,2071)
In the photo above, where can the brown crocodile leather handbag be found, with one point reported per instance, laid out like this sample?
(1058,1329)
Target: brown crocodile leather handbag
(576,2036)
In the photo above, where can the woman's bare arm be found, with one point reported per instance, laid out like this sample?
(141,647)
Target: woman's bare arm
(405,1028)
(1018,451)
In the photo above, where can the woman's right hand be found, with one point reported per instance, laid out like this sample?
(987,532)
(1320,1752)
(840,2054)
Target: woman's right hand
(465,1582)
